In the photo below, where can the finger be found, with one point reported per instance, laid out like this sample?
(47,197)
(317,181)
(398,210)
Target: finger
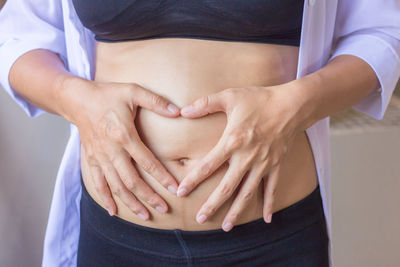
(246,193)
(121,130)
(103,189)
(208,165)
(134,183)
(146,159)
(118,189)
(224,190)
(147,99)
(99,180)
(270,184)
(205,105)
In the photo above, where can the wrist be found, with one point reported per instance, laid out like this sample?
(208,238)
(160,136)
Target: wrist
(68,92)
(305,98)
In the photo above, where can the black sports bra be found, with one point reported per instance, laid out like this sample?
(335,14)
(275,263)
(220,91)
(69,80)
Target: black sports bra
(263,21)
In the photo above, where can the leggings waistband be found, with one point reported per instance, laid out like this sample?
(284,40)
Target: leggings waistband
(164,242)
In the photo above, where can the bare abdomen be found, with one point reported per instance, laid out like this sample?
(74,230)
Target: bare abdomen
(183,70)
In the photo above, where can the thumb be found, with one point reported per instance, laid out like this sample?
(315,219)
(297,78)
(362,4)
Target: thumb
(147,99)
(205,105)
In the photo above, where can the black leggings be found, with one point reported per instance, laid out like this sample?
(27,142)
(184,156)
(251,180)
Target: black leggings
(297,236)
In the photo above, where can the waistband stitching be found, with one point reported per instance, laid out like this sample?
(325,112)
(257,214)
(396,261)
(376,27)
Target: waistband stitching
(184,246)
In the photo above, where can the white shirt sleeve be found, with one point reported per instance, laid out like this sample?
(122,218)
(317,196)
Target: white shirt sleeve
(25,26)
(370,30)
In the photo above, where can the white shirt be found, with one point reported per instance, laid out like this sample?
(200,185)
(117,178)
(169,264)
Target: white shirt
(369,29)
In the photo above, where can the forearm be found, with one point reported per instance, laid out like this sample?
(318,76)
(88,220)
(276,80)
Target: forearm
(39,76)
(342,83)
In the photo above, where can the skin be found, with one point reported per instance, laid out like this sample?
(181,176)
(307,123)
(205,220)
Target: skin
(180,143)
(87,105)
(270,147)
(270,131)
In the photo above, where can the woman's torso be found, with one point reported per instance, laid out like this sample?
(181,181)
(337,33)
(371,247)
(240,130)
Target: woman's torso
(182,70)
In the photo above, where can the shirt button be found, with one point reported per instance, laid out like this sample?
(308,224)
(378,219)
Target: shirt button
(311,2)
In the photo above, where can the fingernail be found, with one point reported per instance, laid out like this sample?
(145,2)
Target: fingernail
(269,218)
(187,109)
(182,191)
(172,189)
(161,209)
(227,226)
(142,216)
(110,210)
(174,109)
(201,218)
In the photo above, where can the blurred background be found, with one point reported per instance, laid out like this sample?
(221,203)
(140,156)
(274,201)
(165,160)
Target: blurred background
(365,184)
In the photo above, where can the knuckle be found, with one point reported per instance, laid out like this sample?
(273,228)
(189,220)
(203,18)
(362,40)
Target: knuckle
(251,133)
(210,210)
(156,100)
(234,141)
(226,190)
(164,181)
(275,161)
(135,207)
(149,166)
(115,159)
(203,101)
(130,184)
(119,135)
(108,168)
(89,152)
(117,190)
(205,169)
(112,127)
(247,196)
(106,122)
(264,153)
(153,200)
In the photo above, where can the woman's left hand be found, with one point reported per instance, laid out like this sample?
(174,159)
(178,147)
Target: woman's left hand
(261,125)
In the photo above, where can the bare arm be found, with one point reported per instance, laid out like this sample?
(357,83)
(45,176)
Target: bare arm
(272,117)
(2,2)
(39,77)
(342,83)
(104,114)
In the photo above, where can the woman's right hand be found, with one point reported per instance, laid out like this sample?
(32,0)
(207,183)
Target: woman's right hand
(104,113)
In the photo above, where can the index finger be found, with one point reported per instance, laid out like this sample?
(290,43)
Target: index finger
(148,161)
(208,165)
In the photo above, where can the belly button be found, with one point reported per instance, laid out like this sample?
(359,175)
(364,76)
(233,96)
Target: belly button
(181,161)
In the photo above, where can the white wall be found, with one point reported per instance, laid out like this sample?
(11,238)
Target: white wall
(366,198)
(30,152)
